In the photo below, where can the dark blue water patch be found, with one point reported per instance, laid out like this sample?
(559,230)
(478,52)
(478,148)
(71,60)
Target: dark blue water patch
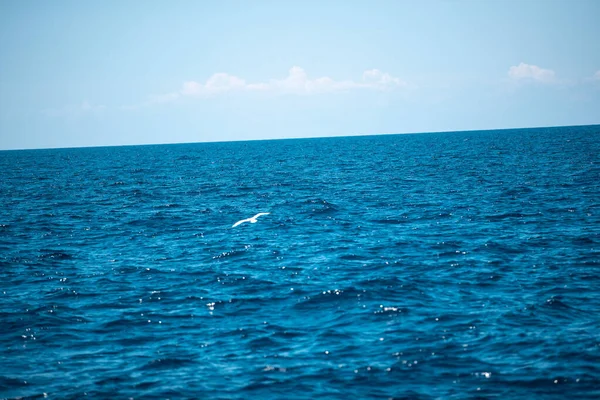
(451,265)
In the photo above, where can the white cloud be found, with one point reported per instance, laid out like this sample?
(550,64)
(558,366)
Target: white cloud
(527,72)
(75,110)
(218,83)
(297,82)
(596,76)
(381,80)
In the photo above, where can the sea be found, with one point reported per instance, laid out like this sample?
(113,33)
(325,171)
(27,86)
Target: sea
(459,265)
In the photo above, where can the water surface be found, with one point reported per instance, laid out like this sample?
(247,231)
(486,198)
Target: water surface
(451,265)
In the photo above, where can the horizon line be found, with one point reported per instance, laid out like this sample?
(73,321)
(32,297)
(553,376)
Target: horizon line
(298,138)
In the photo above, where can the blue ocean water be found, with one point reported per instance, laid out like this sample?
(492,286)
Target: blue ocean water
(448,265)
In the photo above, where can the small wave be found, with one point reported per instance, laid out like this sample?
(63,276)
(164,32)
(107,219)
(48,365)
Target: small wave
(508,216)
(55,255)
(329,296)
(167,363)
(229,254)
(354,257)
(320,206)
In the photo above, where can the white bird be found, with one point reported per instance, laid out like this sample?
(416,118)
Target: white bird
(251,220)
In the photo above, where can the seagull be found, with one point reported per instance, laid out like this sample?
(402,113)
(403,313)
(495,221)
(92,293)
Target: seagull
(251,220)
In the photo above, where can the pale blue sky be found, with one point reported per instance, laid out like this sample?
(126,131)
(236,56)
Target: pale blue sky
(88,73)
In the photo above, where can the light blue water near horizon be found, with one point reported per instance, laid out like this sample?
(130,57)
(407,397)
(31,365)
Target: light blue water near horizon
(443,265)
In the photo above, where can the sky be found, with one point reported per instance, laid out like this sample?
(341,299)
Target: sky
(97,73)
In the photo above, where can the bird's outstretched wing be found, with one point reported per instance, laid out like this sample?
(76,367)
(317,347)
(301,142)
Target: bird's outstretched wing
(259,214)
(240,222)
